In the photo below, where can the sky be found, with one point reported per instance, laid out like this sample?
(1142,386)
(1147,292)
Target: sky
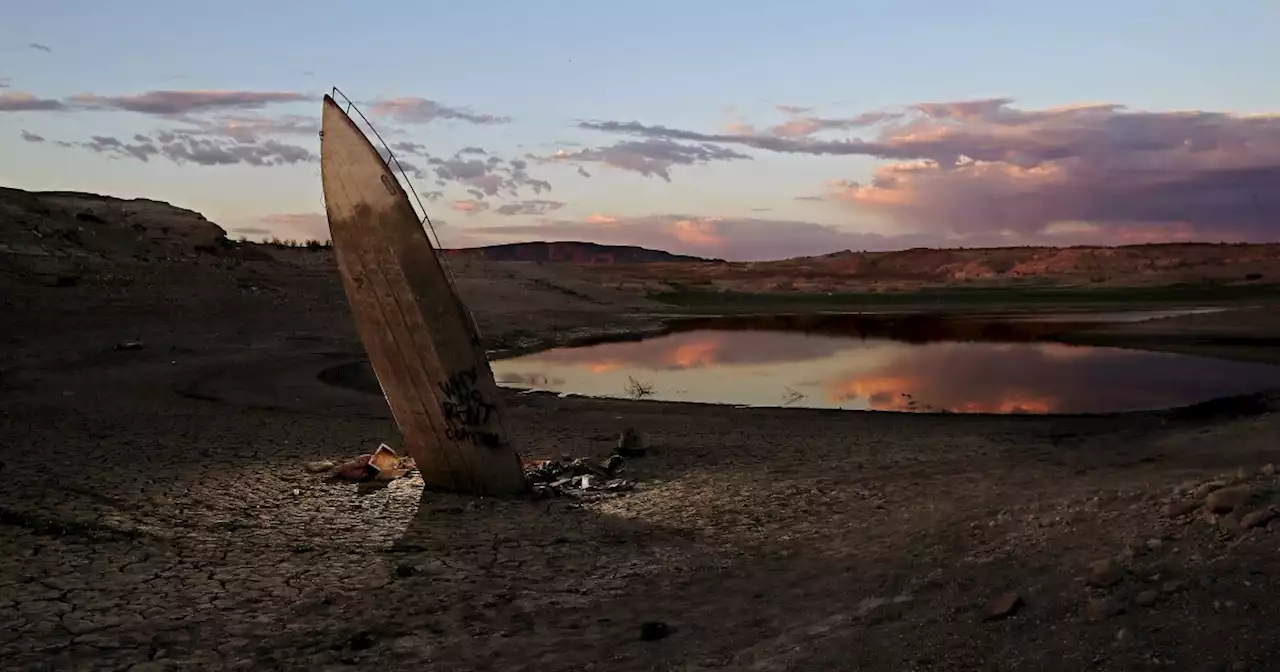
(747,131)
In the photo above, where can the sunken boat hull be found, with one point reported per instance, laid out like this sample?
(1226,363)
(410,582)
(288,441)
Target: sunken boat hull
(421,342)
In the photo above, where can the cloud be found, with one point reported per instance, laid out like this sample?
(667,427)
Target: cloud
(414,110)
(492,176)
(802,126)
(1026,378)
(470,207)
(185,147)
(534,207)
(408,147)
(17,101)
(142,149)
(411,169)
(251,128)
(173,103)
(4,82)
(251,231)
(31,137)
(734,238)
(40,47)
(984,167)
(651,158)
(691,350)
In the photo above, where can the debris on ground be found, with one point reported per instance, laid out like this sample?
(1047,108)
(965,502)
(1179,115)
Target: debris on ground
(575,475)
(383,458)
(631,443)
(377,468)
(355,470)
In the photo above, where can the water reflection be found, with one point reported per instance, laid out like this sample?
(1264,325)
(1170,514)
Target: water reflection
(888,365)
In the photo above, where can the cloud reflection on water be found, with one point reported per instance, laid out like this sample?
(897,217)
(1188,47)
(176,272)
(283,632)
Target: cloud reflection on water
(772,367)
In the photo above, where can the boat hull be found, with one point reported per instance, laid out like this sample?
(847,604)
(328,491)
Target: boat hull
(421,342)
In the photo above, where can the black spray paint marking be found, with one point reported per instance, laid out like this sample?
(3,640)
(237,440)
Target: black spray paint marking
(466,411)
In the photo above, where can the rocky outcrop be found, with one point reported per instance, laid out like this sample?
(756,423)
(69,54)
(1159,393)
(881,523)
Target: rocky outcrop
(70,225)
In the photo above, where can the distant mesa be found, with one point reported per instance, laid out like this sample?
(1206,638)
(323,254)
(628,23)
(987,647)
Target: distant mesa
(573,252)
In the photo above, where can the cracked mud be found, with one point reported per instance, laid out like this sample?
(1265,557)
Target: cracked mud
(156,512)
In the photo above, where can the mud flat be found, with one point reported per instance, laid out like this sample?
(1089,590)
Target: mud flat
(156,511)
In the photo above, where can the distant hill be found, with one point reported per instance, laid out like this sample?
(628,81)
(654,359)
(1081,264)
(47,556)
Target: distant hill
(47,233)
(1132,265)
(573,252)
(67,224)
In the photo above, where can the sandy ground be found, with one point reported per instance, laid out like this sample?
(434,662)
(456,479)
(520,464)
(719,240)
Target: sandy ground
(155,512)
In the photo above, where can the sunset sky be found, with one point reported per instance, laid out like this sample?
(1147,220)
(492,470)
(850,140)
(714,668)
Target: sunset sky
(747,130)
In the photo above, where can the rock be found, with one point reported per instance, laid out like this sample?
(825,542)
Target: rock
(1003,606)
(613,464)
(1154,544)
(1185,487)
(1173,586)
(1146,598)
(1268,469)
(1231,522)
(652,631)
(1179,509)
(129,345)
(319,466)
(631,443)
(1206,488)
(1258,519)
(1226,500)
(1102,608)
(1105,573)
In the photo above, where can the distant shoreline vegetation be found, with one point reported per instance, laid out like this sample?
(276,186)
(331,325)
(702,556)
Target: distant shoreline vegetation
(291,243)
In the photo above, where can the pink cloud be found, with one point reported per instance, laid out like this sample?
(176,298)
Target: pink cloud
(470,207)
(415,110)
(982,167)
